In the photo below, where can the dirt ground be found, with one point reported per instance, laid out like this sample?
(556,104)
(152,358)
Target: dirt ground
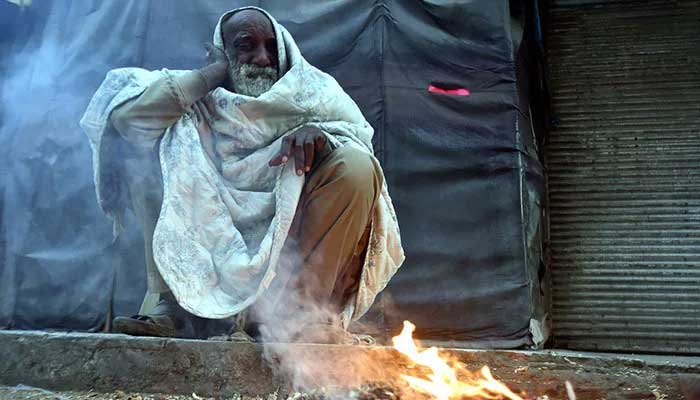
(30,393)
(21,392)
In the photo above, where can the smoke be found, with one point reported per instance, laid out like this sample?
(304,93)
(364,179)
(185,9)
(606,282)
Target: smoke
(53,233)
(308,354)
(303,333)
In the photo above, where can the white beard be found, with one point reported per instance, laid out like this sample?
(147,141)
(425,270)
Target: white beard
(251,80)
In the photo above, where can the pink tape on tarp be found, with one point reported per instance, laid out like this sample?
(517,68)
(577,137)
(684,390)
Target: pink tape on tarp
(454,92)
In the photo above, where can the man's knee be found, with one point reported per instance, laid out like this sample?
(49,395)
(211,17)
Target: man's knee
(355,173)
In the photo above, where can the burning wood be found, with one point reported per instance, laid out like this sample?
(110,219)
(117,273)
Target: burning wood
(414,373)
(450,380)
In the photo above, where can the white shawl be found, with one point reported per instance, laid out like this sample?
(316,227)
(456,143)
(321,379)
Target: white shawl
(219,235)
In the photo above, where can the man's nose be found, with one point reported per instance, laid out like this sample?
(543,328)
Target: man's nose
(262,58)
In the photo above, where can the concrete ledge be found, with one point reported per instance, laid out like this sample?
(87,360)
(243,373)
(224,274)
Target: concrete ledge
(101,362)
(80,361)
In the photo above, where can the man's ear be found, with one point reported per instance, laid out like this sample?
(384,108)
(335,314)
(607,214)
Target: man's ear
(229,53)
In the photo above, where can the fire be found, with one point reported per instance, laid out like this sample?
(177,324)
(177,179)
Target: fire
(448,382)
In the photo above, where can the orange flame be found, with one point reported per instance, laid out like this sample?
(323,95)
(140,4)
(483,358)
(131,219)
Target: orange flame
(446,382)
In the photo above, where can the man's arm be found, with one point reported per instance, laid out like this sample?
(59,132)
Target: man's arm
(142,120)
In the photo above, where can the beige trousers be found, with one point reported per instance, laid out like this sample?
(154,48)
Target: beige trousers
(323,257)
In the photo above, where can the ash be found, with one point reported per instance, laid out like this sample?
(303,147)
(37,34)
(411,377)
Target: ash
(369,391)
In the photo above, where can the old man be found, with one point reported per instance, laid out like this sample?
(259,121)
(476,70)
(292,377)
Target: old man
(255,185)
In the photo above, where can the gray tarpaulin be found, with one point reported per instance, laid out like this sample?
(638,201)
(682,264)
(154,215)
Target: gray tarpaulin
(462,170)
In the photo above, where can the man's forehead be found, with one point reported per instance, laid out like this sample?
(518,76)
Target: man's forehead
(248,21)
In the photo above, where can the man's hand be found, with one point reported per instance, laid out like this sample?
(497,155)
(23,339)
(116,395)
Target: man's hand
(216,71)
(304,145)
(214,54)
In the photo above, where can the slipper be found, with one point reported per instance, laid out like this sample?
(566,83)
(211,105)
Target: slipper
(145,325)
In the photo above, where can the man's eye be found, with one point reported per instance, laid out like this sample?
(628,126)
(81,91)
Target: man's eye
(244,46)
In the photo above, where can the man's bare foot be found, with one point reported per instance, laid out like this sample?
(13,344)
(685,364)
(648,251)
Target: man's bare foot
(236,337)
(331,334)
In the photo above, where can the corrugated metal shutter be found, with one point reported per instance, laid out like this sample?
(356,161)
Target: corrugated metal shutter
(624,176)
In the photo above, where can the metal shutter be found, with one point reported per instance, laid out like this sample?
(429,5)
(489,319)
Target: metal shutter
(624,176)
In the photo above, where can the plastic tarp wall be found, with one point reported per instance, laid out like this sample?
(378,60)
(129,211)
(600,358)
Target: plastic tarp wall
(465,182)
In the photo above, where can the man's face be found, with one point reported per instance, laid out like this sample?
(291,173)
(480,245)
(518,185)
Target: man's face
(251,48)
